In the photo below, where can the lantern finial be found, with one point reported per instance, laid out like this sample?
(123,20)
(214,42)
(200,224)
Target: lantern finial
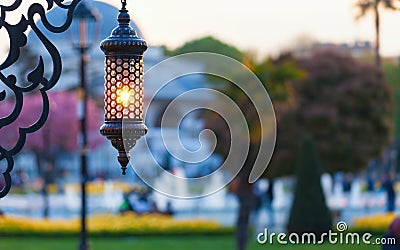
(123,17)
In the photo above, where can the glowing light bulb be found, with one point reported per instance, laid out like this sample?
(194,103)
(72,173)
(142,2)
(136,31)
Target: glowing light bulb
(124,97)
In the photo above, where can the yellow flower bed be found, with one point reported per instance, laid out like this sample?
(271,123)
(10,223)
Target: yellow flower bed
(92,188)
(127,224)
(374,223)
(98,187)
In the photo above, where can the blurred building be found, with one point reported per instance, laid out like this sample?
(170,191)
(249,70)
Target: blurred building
(358,49)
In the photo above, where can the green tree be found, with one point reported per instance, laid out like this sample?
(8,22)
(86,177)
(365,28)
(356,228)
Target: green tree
(207,44)
(275,76)
(374,6)
(309,212)
(57,137)
(392,75)
(345,105)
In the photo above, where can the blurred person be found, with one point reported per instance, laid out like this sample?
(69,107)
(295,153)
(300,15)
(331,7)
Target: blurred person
(126,205)
(347,182)
(20,178)
(143,205)
(258,197)
(259,200)
(48,178)
(388,186)
(169,210)
(269,202)
(48,174)
(154,208)
(370,183)
(61,181)
(393,232)
(245,195)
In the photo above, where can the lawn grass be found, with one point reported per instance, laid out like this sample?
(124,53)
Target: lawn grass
(152,243)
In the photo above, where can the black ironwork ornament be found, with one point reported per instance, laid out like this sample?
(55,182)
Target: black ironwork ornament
(36,78)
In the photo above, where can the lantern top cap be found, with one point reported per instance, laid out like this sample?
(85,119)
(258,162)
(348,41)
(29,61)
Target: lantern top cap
(123,39)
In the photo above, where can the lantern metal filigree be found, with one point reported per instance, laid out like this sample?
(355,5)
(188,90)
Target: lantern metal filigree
(123,88)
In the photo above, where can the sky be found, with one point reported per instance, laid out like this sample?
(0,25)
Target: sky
(264,27)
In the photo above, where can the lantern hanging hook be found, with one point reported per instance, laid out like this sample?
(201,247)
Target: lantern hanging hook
(123,4)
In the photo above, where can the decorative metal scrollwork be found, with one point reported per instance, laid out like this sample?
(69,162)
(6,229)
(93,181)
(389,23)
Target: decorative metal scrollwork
(36,78)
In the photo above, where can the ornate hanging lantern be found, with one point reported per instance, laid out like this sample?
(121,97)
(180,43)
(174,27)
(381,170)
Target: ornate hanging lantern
(123,100)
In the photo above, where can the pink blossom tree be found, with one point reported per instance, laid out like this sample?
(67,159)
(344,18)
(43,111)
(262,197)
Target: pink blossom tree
(61,132)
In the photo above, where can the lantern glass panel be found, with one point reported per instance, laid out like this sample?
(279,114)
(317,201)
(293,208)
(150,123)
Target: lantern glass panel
(123,88)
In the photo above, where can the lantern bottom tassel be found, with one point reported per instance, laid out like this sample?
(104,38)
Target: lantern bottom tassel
(123,137)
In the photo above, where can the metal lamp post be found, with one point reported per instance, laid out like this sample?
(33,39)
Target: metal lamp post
(84,15)
(123,100)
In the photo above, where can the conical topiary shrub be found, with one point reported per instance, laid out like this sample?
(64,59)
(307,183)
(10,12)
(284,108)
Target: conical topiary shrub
(309,213)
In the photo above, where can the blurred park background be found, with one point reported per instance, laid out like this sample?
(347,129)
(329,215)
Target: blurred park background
(337,155)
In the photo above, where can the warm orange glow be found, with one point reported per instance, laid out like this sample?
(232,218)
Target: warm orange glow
(124,96)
